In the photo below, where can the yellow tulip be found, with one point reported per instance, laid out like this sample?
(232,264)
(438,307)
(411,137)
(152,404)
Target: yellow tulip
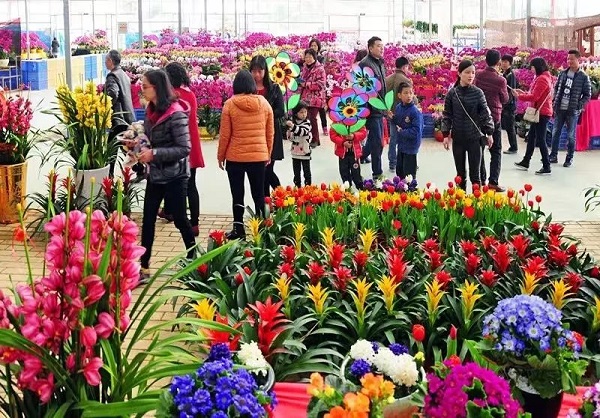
(434,296)
(530,283)
(469,297)
(367,237)
(254,226)
(360,298)
(289,201)
(559,292)
(299,230)
(388,287)
(283,286)
(205,309)
(319,297)
(328,235)
(468,202)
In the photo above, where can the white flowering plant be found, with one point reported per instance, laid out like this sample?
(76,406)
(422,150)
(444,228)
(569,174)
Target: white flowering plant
(393,362)
(250,356)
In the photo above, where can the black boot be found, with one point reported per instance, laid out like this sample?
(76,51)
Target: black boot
(238,232)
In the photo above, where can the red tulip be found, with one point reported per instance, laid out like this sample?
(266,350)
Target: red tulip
(595,272)
(396,224)
(453,332)
(469,212)
(202,269)
(528,187)
(418,333)
(538,199)
(454,360)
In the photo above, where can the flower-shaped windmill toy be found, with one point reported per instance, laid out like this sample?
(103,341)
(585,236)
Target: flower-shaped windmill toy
(284,73)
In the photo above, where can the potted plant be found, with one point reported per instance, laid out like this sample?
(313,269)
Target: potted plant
(525,337)
(590,406)
(84,116)
(16,143)
(4,58)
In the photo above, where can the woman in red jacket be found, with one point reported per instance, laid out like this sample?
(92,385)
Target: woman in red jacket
(181,83)
(540,97)
(348,148)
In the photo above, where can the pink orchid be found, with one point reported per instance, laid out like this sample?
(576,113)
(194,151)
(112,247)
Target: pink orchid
(105,326)
(88,337)
(44,388)
(91,371)
(94,289)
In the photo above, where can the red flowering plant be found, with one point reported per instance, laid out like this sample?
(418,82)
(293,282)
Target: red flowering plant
(67,337)
(16,141)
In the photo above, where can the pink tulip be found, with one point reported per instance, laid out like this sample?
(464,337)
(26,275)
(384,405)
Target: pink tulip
(94,289)
(88,337)
(91,371)
(105,326)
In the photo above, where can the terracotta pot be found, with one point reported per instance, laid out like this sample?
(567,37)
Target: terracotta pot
(13,189)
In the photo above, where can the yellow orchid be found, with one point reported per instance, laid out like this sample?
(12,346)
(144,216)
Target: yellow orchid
(559,292)
(318,295)
(360,298)
(367,237)
(299,230)
(530,283)
(328,235)
(388,287)
(254,226)
(205,309)
(434,296)
(469,297)
(283,286)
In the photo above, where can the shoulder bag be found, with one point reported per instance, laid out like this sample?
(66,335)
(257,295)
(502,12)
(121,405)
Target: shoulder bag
(482,137)
(532,115)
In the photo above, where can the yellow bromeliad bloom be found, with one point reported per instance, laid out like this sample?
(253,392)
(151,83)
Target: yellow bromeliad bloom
(388,287)
(469,297)
(328,235)
(559,292)
(367,237)
(283,287)
(530,283)
(596,314)
(299,230)
(319,297)
(254,226)
(205,309)
(434,296)
(360,299)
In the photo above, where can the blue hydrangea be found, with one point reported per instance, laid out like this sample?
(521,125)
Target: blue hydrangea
(398,349)
(360,367)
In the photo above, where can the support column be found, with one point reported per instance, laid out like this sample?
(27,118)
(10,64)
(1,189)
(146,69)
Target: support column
(235,11)
(415,20)
(206,15)
(528,25)
(140,23)
(451,23)
(481,23)
(67,25)
(179,17)
(93,16)
(223,18)
(430,18)
(402,31)
(27,43)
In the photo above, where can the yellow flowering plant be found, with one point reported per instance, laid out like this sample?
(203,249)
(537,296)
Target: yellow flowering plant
(84,117)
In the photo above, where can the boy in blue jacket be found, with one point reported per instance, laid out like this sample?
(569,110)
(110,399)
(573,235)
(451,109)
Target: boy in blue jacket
(409,123)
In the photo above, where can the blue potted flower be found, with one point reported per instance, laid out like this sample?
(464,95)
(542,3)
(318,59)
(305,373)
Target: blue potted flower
(526,338)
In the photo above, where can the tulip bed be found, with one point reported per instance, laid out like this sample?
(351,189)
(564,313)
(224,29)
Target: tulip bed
(328,267)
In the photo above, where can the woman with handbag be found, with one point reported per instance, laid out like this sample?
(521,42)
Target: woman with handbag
(540,112)
(467,124)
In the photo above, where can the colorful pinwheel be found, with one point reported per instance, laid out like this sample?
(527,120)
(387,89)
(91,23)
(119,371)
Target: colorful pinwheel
(283,72)
(348,110)
(364,79)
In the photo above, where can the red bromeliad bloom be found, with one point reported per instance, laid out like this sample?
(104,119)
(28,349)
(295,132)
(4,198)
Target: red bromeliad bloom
(521,245)
(107,188)
(218,237)
(489,278)
(554,241)
(443,278)
(224,337)
(488,242)
(435,259)
(400,242)
(287,269)
(574,280)
(288,253)
(468,247)
(315,272)
(572,250)
(595,272)
(341,277)
(397,265)
(559,258)
(271,323)
(203,269)
(555,229)
(430,245)
(360,260)
(239,278)
(535,225)
(536,266)
(336,255)
(501,256)
(472,263)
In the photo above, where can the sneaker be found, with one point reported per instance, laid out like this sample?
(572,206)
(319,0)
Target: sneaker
(165,216)
(195,230)
(521,165)
(510,151)
(325,131)
(553,159)
(496,187)
(365,160)
(544,171)
(144,277)
(568,163)
(392,169)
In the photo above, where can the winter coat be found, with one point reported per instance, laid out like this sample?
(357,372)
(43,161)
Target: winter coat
(378,67)
(455,120)
(246,133)
(196,158)
(410,120)
(494,89)
(170,141)
(301,139)
(313,88)
(275,99)
(540,94)
(118,88)
(511,81)
(581,91)
(393,81)
(339,140)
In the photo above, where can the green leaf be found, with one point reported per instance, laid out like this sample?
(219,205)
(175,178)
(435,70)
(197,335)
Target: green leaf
(377,103)
(389,99)
(293,101)
(358,126)
(118,409)
(340,128)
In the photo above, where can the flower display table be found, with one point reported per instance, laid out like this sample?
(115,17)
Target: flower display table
(588,131)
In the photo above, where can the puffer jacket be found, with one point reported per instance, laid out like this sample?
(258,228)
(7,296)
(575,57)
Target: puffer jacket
(118,88)
(540,94)
(458,122)
(378,67)
(275,99)
(313,88)
(170,141)
(246,133)
(340,149)
(581,91)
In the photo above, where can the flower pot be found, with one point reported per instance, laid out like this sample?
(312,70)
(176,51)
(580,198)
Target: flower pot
(13,188)
(83,183)
(204,135)
(4,63)
(402,408)
(541,407)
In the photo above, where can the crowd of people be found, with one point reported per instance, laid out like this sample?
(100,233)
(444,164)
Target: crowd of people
(255,128)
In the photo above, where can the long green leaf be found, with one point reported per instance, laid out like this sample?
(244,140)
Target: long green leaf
(118,409)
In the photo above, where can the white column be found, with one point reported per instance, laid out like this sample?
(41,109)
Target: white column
(93,16)
(67,24)
(481,23)
(206,15)
(140,23)
(430,20)
(223,18)
(27,27)
(528,24)
(415,20)
(179,17)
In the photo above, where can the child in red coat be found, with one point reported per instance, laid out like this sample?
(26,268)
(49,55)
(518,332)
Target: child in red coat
(349,151)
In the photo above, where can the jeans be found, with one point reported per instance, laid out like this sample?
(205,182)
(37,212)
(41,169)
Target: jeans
(313,112)
(236,173)
(537,137)
(350,169)
(560,118)
(464,149)
(323,116)
(300,166)
(174,193)
(407,165)
(374,146)
(271,179)
(508,124)
(393,147)
(495,158)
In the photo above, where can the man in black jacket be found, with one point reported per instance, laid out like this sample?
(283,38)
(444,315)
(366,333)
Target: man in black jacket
(508,109)
(572,91)
(374,145)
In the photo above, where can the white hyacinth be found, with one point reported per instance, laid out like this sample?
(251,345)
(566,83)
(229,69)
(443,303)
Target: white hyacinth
(404,371)
(251,356)
(362,349)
